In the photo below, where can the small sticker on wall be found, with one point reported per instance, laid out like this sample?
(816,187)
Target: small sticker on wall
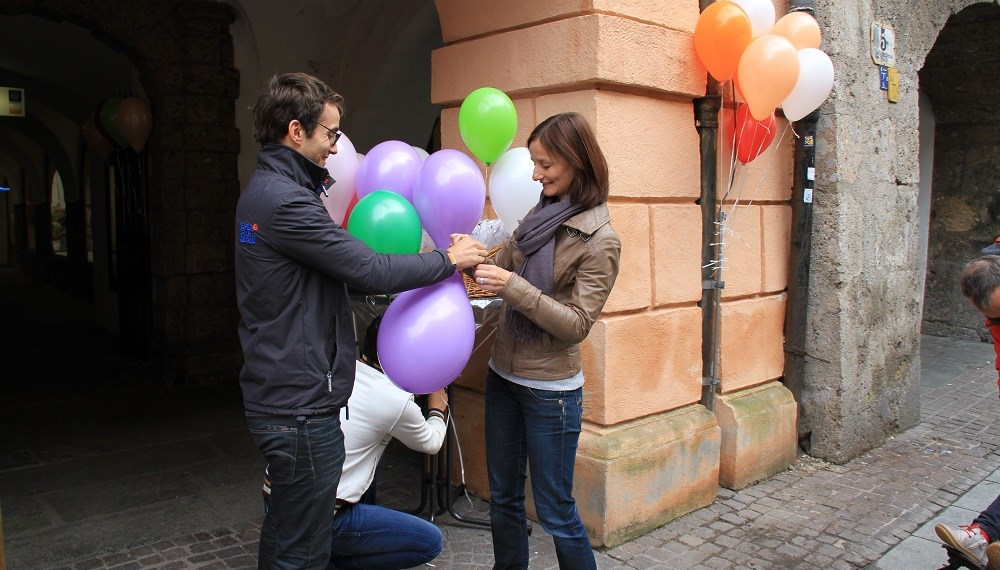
(811,173)
(807,195)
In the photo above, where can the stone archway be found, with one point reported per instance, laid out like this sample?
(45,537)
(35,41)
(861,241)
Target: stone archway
(960,79)
(183,52)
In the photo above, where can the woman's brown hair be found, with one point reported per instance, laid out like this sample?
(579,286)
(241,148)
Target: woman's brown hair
(570,136)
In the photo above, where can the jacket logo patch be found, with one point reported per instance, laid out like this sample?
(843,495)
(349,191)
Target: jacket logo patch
(247,234)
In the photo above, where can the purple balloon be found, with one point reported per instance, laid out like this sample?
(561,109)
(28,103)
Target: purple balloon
(449,195)
(389,165)
(427,335)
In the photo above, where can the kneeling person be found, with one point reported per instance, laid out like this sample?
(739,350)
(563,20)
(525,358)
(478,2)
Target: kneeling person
(370,536)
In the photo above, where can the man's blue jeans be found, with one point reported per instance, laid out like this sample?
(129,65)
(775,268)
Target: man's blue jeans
(540,428)
(305,455)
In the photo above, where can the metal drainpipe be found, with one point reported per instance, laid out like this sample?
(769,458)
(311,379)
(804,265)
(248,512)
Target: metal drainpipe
(798,278)
(707,123)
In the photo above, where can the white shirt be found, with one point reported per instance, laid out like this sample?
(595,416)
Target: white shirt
(380,411)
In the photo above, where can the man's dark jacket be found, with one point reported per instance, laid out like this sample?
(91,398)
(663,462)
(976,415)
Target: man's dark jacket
(293,268)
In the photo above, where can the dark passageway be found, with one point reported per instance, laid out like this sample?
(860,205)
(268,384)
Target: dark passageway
(94,456)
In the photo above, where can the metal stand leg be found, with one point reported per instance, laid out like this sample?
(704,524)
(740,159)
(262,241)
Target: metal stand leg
(449,480)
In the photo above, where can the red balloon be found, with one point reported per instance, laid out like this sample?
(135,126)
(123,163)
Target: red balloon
(752,136)
(350,208)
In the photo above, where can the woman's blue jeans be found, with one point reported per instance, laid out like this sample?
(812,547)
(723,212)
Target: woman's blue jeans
(305,455)
(540,428)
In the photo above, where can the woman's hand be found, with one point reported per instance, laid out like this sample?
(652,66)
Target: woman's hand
(491,277)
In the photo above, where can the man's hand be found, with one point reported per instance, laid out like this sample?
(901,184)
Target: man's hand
(466,251)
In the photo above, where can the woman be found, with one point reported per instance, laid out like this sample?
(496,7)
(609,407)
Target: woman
(554,275)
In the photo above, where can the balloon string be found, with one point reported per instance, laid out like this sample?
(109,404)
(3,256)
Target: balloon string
(736,202)
(458,446)
(732,143)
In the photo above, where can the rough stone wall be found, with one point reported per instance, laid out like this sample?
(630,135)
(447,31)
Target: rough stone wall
(962,78)
(863,365)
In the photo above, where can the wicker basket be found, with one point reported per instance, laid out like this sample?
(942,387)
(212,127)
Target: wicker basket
(471,287)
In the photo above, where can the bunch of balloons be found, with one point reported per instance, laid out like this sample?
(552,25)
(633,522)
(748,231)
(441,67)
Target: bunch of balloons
(771,63)
(118,122)
(387,198)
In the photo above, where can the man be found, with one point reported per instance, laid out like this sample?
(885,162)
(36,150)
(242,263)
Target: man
(978,542)
(366,535)
(293,268)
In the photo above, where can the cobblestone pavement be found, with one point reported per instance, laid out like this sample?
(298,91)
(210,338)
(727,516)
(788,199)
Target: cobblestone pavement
(814,515)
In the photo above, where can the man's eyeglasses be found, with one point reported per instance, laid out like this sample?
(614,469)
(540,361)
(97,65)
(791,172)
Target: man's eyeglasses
(332,134)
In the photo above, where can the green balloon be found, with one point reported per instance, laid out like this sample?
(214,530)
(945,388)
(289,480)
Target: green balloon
(487,122)
(387,222)
(109,109)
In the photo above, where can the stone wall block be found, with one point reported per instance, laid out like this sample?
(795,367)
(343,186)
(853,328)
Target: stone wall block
(777,245)
(752,350)
(651,144)
(207,257)
(676,233)
(207,226)
(652,363)
(759,434)
(633,288)
(166,259)
(461,19)
(741,251)
(594,48)
(219,194)
(634,477)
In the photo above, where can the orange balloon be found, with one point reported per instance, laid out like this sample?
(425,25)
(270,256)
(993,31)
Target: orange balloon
(799,28)
(720,36)
(134,121)
(767,73)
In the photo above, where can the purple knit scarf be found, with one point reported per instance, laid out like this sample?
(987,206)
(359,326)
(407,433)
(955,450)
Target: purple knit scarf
(536,238)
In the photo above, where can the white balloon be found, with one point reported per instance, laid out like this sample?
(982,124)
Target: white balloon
(343,168)
(761,14)
(423,153)
(813,85)
(512,191)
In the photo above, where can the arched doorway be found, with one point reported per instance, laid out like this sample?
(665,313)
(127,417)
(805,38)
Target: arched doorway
(961,85)
(170,441)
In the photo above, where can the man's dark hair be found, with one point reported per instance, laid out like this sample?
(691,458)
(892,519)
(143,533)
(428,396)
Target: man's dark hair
(980,280)
(287,97)
(569,136)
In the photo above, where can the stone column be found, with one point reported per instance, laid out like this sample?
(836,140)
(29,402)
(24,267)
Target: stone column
(649,452)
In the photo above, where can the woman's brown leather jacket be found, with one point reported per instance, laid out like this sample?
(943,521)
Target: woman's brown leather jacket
(586,266)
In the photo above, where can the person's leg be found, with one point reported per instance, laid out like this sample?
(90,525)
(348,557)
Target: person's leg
(268,530)
(989,520)
(305,456)
(552,424)
(369,536)
(505,464)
